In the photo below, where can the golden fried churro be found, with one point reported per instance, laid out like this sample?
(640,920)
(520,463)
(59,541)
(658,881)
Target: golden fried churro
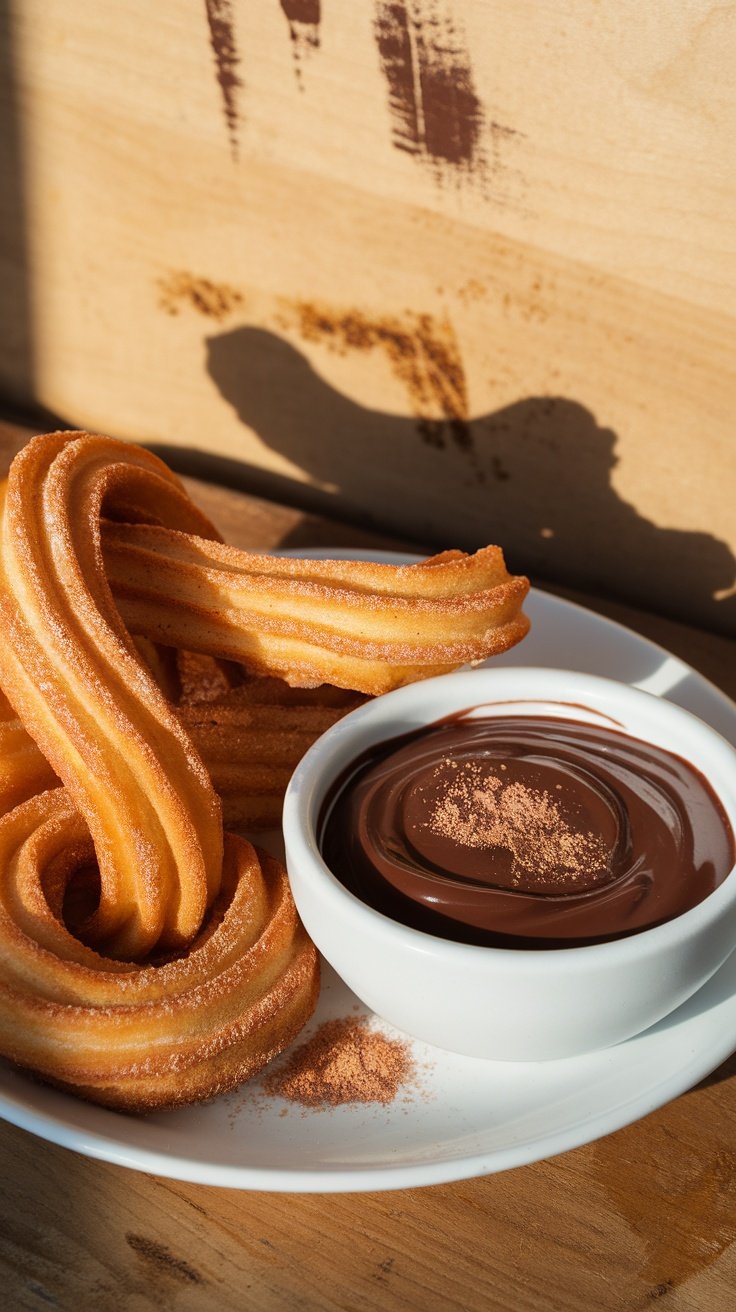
(250,736)
(24,770)
(78,684)
(142,1036)
(242,976)
(359,625)
(146,958)
(251,747)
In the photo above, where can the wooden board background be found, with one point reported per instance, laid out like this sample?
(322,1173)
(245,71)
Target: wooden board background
(462,269)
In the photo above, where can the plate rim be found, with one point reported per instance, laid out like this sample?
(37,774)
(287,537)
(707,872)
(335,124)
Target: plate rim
(53,1128)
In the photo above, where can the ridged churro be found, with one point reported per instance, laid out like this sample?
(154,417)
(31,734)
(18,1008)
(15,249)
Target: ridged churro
(147,958)
(355,624)
(138,1036)
(249,748)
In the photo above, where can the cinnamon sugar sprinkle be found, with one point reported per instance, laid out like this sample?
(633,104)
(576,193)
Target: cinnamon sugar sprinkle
(479,810)
(345,1061)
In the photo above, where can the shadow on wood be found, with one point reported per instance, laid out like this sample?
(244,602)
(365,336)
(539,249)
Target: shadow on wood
(16,363)
(535,476)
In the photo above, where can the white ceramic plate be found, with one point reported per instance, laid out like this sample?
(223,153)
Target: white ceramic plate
(459,1117)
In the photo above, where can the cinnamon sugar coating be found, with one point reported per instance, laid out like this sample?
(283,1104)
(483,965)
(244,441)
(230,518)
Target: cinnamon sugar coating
(250,747)
(189,968)
(157,1033)
(355,624)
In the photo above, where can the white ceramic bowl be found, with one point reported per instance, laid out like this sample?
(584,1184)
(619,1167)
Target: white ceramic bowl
(509,1004)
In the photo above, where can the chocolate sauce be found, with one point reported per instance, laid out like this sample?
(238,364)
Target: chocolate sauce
(525,831)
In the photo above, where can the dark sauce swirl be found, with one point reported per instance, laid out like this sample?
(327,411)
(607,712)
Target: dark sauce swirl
(525,831)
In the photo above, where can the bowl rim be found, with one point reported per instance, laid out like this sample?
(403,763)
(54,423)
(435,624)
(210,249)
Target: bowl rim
(317,770)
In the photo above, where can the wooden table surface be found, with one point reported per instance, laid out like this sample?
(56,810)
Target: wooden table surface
(648,1213)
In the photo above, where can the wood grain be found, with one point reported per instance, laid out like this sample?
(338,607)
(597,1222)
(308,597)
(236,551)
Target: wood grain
(648,1212)
(268,251)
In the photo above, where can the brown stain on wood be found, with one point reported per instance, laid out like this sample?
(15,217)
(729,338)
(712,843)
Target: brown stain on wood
(304,18)
(227,61)
(424,355)
(684,1212)
(160,1259)
(436,112)
(213,300)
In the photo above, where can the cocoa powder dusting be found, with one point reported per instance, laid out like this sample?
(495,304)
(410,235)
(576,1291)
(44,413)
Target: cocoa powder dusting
(345,1061)
(480,810)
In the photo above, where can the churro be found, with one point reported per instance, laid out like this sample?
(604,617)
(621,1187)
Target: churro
(355,624)
(146,957)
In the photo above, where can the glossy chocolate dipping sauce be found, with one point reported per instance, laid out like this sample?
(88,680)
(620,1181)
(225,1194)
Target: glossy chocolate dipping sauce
(525,831)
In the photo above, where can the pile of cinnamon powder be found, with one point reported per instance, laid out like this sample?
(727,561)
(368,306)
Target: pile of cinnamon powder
(345,1061)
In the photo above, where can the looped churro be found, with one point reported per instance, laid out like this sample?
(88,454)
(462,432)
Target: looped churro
(96,1009)
(142,1036)
(145,957)
(78,684)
